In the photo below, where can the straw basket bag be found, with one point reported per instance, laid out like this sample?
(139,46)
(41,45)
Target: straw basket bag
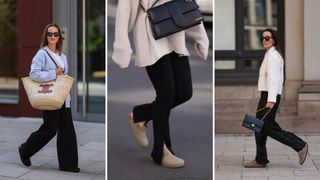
(48,95)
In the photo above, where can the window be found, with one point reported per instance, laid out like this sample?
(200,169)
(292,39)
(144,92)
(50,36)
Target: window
(9,82)
(239,23)
(91,76)
(225,25)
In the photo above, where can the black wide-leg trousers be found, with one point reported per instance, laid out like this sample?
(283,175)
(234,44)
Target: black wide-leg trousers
(55,122)
(272,129)
(171,79)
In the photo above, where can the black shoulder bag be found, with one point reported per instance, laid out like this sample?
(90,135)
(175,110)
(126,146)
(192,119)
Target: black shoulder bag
(172,17)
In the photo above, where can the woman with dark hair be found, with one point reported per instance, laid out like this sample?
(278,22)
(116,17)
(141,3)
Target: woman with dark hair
(59,121)
(270,85)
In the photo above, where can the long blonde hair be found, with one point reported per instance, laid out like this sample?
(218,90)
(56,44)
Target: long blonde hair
(44,40)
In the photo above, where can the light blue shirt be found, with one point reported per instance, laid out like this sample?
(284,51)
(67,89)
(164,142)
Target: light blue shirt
(43,69)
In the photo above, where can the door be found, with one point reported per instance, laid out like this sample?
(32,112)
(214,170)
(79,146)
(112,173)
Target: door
(83,29)
(91,60)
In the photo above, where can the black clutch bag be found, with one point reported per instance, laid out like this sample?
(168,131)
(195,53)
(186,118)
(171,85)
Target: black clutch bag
(172,17)
(254,123)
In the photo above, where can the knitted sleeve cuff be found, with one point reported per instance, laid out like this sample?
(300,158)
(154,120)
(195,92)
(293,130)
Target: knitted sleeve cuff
(122,57)
(201,50)
(272,96)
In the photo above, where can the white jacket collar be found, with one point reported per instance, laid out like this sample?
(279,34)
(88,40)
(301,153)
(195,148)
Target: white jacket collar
(271,49)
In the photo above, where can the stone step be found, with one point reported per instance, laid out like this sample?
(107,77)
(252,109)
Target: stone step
(232,123)
(286,107)
(229,116)
(293,124)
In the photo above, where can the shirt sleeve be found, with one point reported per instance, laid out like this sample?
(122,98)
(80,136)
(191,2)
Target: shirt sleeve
(274,77)
(65,61)
(125,18)
(199,35)
(38,71)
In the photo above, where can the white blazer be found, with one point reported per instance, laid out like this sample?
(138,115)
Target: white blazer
(271,74)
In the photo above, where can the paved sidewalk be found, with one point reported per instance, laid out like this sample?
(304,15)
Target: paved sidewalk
(91,147)
(231,151)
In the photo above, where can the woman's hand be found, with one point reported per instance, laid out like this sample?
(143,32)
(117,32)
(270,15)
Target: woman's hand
(270,105)
(58,71)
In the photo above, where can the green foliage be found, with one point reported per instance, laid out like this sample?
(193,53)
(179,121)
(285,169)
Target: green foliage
(96,39)
(8,37)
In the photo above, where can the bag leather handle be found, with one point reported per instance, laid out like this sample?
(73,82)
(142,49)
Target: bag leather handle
(51,57)
(144,9)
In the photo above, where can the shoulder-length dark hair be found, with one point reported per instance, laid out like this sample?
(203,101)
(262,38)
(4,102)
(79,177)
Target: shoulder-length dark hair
(274,37)
(44,40)
(277,46)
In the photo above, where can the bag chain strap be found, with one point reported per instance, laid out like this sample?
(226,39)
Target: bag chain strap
(263,109)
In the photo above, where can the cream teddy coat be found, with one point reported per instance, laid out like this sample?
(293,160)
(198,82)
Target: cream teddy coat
(131,18)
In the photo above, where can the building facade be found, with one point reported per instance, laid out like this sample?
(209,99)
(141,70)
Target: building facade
(238,55)
(83,28)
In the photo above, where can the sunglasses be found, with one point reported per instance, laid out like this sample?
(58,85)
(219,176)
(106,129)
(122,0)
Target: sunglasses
(55,34)
(266,38)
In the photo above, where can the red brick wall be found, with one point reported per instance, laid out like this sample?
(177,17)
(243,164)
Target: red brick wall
(33,16)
